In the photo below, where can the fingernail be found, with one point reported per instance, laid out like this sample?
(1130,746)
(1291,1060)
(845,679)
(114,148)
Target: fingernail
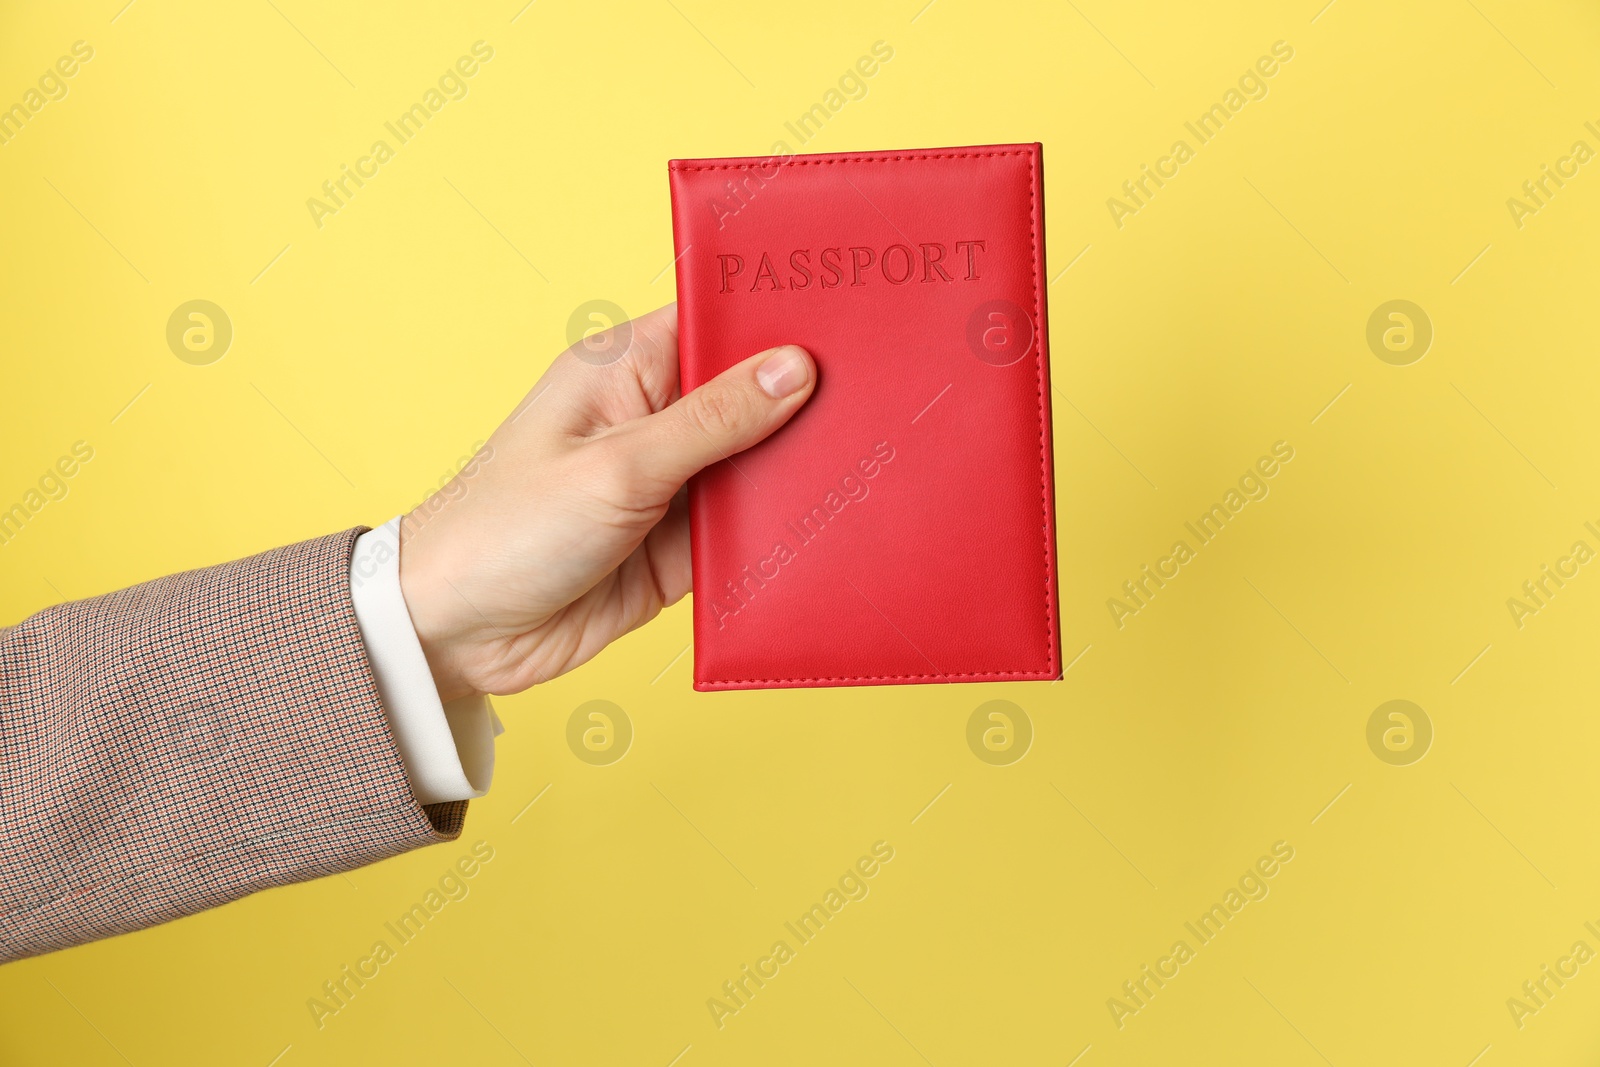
(785,372)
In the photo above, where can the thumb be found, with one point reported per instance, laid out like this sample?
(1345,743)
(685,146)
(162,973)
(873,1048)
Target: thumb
(738,408)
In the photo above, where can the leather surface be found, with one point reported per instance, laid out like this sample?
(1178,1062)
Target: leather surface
(900,529)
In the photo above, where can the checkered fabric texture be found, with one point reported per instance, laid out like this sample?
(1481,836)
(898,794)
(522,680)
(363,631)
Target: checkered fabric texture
(185,742)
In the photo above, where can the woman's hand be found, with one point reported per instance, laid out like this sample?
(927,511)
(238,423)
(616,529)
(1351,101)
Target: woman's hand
(577,529)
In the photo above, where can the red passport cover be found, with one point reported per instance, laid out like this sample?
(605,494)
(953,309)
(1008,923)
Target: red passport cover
(901,527)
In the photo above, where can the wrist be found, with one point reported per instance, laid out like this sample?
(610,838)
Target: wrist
(434,602)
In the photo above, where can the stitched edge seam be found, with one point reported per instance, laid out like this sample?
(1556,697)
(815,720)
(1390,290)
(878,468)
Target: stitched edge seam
(1035,221)
(758,161)
(967,677)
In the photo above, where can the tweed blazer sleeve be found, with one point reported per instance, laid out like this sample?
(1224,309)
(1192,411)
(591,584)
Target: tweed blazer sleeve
(188,741)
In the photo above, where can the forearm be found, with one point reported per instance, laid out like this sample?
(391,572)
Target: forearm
(188,741)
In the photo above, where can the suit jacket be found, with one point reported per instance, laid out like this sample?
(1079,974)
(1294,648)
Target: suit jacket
(182,743)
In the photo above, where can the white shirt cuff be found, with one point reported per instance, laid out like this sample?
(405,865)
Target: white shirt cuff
(447,749)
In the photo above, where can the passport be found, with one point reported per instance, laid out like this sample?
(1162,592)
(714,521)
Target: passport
(900,529)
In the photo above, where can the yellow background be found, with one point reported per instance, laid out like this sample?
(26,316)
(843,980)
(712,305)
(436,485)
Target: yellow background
(1222,317)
